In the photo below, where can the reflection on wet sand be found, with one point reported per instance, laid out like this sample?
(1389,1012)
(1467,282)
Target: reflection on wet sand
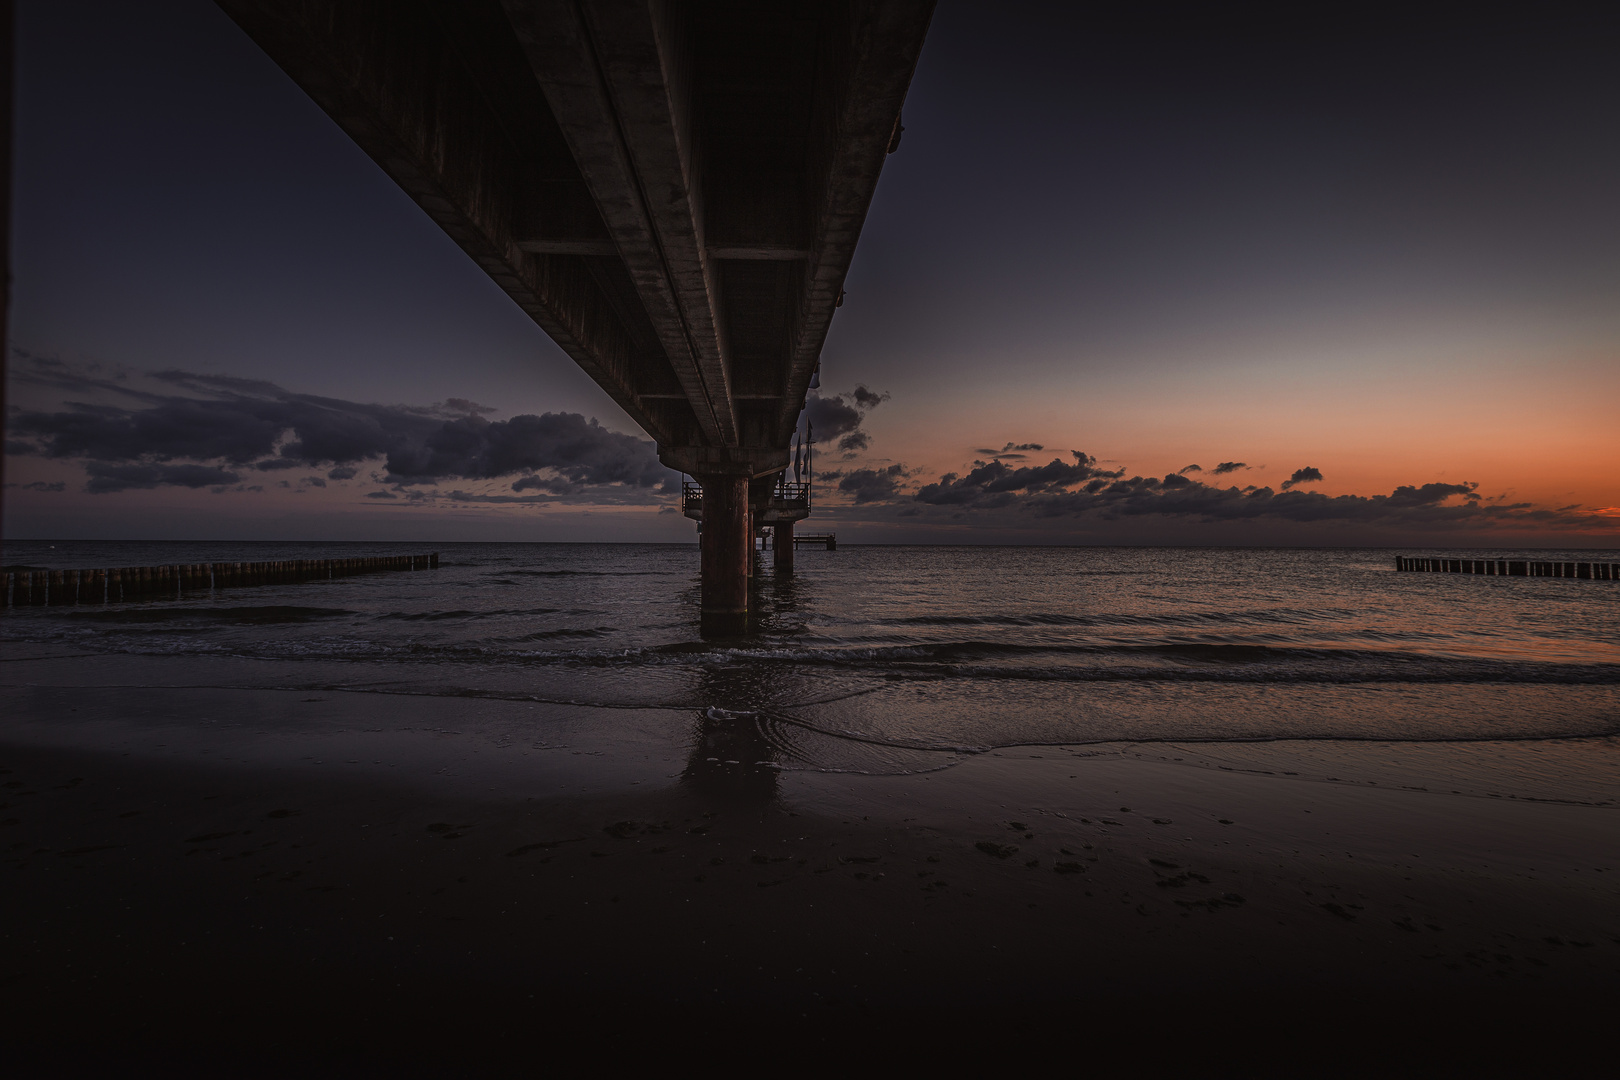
(730,759)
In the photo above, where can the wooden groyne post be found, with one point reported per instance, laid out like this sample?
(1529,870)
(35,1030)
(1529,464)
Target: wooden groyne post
(1586,571)
(37,588)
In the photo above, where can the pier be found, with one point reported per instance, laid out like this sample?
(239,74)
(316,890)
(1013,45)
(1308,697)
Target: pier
(1585,571)
(38,588)
(672,192)
(828,540)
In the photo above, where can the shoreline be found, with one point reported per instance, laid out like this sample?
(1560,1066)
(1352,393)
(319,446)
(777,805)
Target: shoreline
(263,893)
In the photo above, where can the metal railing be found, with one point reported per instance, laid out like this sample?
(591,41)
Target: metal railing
(786,491)
(792,492)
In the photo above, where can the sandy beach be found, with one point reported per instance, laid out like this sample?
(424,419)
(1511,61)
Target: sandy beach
(185,883)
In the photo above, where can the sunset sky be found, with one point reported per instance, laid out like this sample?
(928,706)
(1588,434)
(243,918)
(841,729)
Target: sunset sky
(1390,258)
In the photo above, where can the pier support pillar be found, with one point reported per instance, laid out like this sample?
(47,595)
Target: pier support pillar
(782,541)
(727,550)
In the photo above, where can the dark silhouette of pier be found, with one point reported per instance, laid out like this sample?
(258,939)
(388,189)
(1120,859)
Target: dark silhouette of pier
(827,540)
(673,192)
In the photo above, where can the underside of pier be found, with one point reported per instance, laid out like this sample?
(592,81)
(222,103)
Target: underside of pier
(672,191)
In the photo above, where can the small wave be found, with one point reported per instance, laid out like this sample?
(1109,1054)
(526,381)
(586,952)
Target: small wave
(1187,661)
(1519,674)
(163,630)
(546,635)
(584,573)
(436,616)
(464,613)
(1287,616)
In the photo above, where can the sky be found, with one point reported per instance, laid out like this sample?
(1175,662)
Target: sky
(1364,276)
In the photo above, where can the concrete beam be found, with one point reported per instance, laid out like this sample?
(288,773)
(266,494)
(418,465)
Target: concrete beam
(673,192)
(886,41)
(475,147)
(610,72)
(647,60)
(725,461)
(562,246)
(759,252)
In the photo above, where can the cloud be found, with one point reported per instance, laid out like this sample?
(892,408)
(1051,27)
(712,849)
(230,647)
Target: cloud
(1010,451)
(873,485)
(867,399)
(855,442)
(994,483)
(462,407)
(1081,489)
(580,452)
(41,485)
(837,419)
(1307,475)
(197,430)
(106,478)
(832,417)
(1190,468)
(1228,467)
(381,494)
(1179,496)
(556,486)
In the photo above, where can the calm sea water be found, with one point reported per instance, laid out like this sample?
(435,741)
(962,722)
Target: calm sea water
(885,659)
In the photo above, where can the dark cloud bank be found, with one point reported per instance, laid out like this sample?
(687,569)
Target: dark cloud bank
(185,430)
(219,432)
(1080,488)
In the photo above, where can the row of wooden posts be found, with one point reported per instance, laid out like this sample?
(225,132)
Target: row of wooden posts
(26,588)
(1589,571)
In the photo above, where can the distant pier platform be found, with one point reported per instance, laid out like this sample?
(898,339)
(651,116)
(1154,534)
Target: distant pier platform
(827,540)
(1586,571)
(36,588)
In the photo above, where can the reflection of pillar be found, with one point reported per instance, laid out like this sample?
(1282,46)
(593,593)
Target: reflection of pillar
(783,542)
(730,758)
(727,540)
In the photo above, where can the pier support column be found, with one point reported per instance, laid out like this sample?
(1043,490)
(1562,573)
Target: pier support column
(782,541)
(726,553)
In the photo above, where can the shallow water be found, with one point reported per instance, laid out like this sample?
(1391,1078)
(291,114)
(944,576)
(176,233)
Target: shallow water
(896,659)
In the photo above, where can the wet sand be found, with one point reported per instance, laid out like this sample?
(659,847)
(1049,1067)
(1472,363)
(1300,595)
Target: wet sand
(259,903)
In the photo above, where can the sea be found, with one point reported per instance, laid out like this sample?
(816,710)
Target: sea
(1322,664)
